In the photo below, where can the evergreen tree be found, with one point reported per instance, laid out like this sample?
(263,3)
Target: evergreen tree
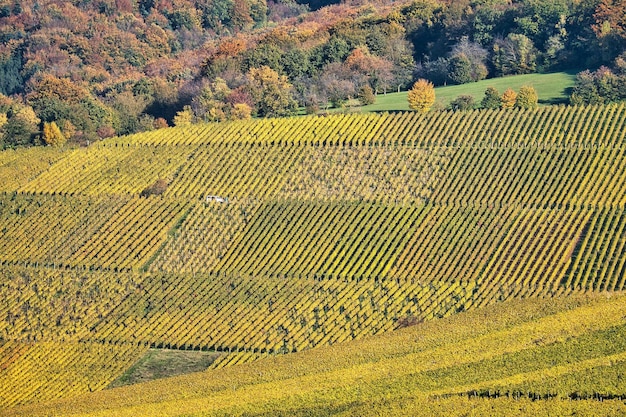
(11,80)
(492,99)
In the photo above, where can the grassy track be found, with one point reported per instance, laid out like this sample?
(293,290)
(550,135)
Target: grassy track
(162,363)
(552,89)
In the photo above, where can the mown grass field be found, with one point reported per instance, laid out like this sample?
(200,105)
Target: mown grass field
(553,88)
(290,255)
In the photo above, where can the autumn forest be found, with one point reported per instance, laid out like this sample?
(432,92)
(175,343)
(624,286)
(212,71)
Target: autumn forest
(90,69)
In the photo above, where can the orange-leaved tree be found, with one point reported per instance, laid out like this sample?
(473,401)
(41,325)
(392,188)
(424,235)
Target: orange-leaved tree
(610,19)
(509,97)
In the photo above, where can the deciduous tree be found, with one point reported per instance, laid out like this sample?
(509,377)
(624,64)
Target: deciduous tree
(366,95)
(527,98)
(27,114)
(68,129)
(598,87)
(338,84)
(514,54)
(210,104)
(240,15)
(272,93)
(610,18)
(422,96)
(21,129)
(160,123)
(508,99)
(52,134)
(184,117)
(460,69)
(63,89)
(471,57)
(241,111)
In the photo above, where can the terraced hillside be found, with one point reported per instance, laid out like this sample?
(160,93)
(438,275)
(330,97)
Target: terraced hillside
(273,236)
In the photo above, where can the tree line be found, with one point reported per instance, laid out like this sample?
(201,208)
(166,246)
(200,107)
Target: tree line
(90,70)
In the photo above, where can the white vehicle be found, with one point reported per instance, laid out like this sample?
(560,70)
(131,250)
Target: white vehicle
(216,198)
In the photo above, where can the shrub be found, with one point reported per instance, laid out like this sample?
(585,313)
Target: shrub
(157,188)
(462,103)
(160,123)
(408,321)
(367,96)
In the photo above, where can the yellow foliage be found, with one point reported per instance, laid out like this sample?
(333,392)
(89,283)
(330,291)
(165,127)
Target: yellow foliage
(241,111)
(527,98)
(25,164)
(422,96)
(28,115)
(69,368)
(68,129)
(448,356)
(184,117)
(52,135)
(271,92)
(62,89)
(375,201)
(3,119)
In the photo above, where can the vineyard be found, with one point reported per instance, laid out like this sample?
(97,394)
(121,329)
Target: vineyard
(540,357)
(254,239)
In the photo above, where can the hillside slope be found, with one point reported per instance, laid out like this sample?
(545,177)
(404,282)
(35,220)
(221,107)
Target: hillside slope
(273,236)
(552,88)
(564,349)
(107,67)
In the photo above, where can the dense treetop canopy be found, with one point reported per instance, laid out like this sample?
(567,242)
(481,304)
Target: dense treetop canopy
(112,67)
